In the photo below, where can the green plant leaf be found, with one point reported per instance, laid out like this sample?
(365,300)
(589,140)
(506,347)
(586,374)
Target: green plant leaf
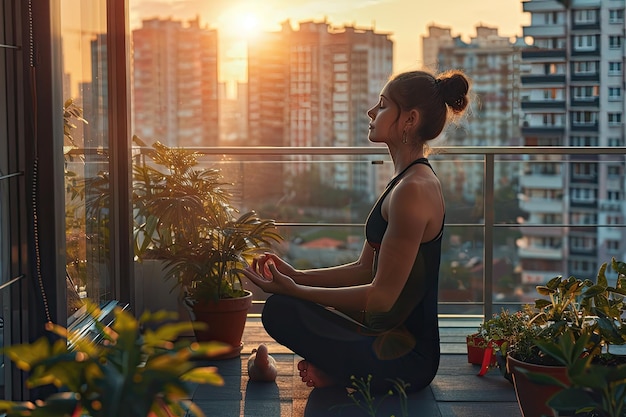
(204,375)
(572,399)
(541,378)
(544,290)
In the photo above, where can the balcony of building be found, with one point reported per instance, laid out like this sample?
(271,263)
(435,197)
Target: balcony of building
(585,52)
(541,54)
(543,80)
(584,78)
(457,390)
(585,102)
(485,217)
(535,105)
(542,31)
(586,26)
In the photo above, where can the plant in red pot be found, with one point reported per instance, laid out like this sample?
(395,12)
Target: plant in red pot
(494,336)
(569,308)
(184,217)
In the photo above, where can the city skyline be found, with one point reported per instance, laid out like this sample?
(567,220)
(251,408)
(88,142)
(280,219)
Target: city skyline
(407,21)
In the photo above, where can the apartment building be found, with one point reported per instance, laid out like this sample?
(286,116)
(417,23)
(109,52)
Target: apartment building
(312,86)
(573,96)
(175,84)
(493,64)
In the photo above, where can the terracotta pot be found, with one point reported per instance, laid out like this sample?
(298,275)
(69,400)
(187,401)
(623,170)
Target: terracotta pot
(476,346)
(226,320)
(532,397)
(475,349)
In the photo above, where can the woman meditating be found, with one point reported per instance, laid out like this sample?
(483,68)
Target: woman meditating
(378,315)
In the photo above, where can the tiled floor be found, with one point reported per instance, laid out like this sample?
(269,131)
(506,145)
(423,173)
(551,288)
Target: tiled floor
(456,390)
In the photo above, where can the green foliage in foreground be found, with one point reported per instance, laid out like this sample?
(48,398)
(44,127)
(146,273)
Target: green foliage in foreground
(127,373)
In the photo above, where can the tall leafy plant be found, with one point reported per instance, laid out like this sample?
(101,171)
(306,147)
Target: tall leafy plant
(184,216)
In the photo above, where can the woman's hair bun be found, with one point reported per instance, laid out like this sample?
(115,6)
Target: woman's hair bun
(454,86)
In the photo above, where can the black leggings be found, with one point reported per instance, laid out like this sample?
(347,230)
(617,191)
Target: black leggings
(333,345)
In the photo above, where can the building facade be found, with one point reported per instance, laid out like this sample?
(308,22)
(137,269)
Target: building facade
(175,83)
(312,86)
(573,96)
(492,63)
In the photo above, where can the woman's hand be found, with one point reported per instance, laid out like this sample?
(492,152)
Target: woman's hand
(265,275)
(282,266)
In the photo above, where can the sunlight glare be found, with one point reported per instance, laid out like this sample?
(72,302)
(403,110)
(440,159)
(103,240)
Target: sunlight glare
(241,23)
(249,23)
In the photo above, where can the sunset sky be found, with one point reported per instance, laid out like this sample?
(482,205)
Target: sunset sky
(406,20)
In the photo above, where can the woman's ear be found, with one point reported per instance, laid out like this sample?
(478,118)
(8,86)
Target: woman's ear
(413,118)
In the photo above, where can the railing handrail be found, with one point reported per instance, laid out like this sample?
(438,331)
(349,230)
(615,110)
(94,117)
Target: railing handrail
(382,150)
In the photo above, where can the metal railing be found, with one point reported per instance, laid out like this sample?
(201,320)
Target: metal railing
(489,155)
(485,155)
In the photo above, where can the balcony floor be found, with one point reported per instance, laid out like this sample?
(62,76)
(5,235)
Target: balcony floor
(456,390)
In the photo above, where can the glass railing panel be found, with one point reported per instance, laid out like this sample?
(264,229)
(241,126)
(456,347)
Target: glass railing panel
(509,226)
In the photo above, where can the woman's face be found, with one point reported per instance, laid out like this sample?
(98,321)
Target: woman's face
(383,125)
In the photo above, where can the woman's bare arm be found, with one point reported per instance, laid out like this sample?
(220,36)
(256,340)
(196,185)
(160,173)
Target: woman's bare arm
(411,208)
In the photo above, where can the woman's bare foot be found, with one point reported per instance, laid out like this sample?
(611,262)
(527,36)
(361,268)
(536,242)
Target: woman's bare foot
(314,377)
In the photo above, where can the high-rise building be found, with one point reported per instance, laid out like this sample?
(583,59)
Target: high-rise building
(175,84)
(573,96)
(492,62)
(312,86)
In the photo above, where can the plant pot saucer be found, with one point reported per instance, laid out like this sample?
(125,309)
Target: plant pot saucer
(233,353)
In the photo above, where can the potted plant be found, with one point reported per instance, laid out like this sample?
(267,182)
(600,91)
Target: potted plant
(184,216)
(122,372)
(574,308)
(596,388)
(493,336)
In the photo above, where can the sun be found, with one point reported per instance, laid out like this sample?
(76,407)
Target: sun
(241,23)
(250,23)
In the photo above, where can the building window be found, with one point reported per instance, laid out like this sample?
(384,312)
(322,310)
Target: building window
(552,69)
(586,67)
(614,171)
(615,68)
(615,42)
(585,42)
(551,18)
(615,141)
(552,119)
(586,92)
(615,119)
(582,267)
(616,16)
(583,243)
(614,195)
(583,195)
(583,169)
(584,118)
(551,94)
(544,168)
(551,218)
(583,141)
(612,245)
(581,218)
(615,93)
(547,242)
(586,16)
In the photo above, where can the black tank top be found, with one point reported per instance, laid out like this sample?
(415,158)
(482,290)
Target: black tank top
(416,307)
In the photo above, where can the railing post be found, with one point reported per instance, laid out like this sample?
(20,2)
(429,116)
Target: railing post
(489,219)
